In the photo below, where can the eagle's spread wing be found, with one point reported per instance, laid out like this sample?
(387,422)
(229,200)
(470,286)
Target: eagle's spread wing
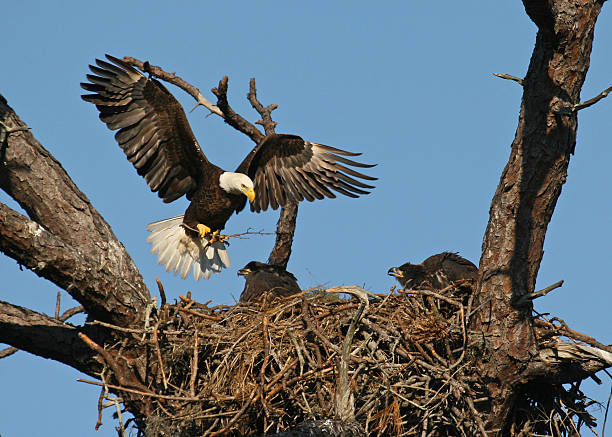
(286,169)
(153,129)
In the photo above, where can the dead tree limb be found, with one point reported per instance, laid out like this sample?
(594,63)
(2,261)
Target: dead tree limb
(46,337)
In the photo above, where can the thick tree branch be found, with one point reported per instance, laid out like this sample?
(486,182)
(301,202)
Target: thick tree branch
(46,337)
(100,274)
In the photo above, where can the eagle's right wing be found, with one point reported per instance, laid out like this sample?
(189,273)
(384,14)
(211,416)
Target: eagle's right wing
(286,168)
(153,130)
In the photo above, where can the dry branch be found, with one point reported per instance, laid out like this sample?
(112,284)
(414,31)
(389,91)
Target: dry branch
(45,336)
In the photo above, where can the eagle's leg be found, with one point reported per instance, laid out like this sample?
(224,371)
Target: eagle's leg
(203,230)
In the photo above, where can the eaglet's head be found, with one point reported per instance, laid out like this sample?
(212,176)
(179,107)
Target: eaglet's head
(408,274)
(237,183)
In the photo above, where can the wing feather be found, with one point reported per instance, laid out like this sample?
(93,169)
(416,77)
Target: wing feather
(286,168)
(153,130)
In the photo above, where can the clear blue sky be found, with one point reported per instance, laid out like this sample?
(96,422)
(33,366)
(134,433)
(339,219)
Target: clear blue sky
(409,84)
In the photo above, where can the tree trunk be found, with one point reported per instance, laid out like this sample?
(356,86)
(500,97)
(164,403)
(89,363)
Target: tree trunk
(528,191)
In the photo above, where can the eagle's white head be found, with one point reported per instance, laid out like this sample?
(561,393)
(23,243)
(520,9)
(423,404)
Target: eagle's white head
(237,183)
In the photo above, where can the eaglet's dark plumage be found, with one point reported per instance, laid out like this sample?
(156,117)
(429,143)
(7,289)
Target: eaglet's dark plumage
(436,272)
(154,133)
(266,281)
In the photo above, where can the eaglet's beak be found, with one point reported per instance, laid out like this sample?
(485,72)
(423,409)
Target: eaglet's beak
(394,271)
(250,193)
(243,272)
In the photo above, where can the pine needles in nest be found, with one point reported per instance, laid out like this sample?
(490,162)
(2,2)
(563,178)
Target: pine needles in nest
(253,369)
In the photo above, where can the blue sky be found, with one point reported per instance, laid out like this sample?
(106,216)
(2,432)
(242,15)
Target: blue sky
(409,84)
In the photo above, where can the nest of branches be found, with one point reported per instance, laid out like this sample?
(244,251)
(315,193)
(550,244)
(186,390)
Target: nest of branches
(258,368)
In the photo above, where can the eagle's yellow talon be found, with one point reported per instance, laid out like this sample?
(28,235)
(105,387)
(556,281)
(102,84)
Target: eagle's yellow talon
(217,236)
(203,230)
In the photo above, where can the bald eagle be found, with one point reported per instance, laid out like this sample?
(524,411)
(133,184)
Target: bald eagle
(436,272)
(266,280)
(154,133)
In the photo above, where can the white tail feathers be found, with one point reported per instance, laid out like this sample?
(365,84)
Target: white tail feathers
(181,252)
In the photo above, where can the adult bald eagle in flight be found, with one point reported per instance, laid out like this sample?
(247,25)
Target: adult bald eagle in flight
(436,272)
(155,135)
(269,280)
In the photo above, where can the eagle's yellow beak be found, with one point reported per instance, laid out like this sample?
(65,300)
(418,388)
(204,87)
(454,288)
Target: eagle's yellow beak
(250,193)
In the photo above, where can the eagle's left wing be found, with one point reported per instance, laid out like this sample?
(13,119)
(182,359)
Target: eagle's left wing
(286,169)
(152,128)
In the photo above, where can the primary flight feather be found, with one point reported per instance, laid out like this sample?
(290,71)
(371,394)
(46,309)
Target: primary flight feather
(153,131)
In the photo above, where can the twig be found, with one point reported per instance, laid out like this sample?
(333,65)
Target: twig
(288,366)
(262,371)
(71,312)
(125,376)
(197,314)
(565,330)
(141,392)
(436,295)
(526,298)
(121,428)
(590,102)
(509,77)
(159,358)
(117,328)
(57,305)
(315,331)
(238,414)
(603,430)
(103,391)
(162,293)
(175,80)
(7,352)
(194,365)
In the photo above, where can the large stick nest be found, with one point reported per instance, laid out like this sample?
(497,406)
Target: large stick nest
(258,368)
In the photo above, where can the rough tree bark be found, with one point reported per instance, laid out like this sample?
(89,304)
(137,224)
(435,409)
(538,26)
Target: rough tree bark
(528,191)
(66,241)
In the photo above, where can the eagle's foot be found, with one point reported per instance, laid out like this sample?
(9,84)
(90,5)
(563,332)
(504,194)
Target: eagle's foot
(203,230)
(217,236)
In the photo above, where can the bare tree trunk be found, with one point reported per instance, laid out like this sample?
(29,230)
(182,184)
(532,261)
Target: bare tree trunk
(528,191)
